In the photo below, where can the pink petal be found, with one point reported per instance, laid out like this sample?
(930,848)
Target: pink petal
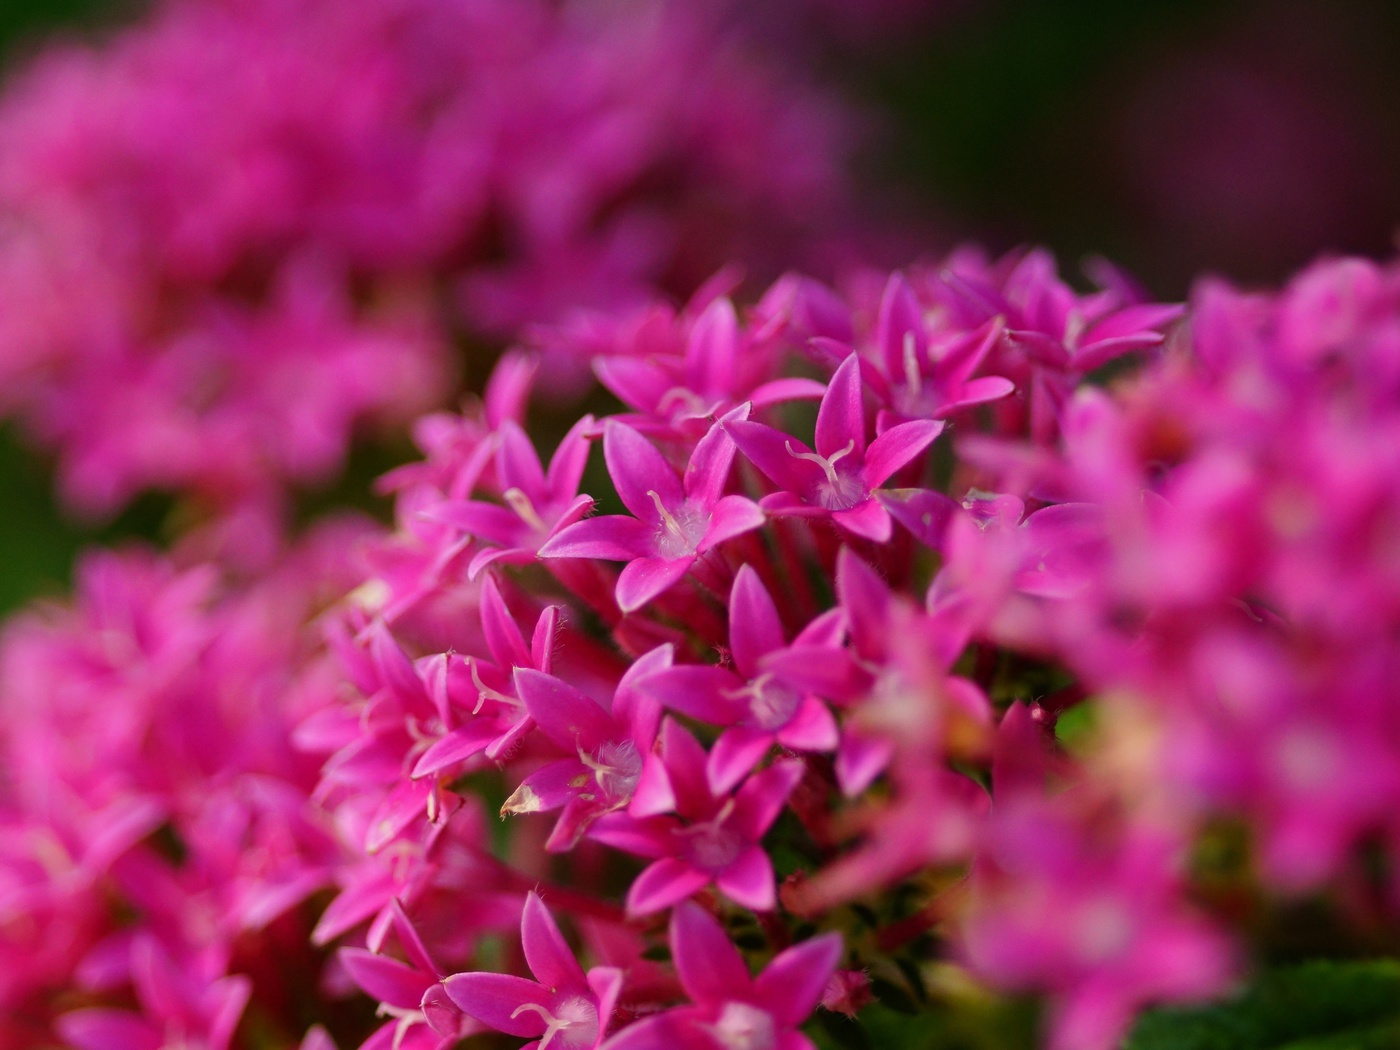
(708,470)
(859,760)
(896,447)
(503,638)
(570,460)
(924,512)
(780,391)
(386,979)
(768,450)
(653,794)
(646,578)
(763,796)
(492,998)
(542,641)
(548,954)
(899,314)
(841,418)
(662,884)
(647,837)
(636,382)
(606,984)
(685,763)
(791,985)
(571,719)
(749,880)
(868,519)
(732,516)
(614,537)
(637,468)
(709,966)
(812,728)
(701,692)
(755,629)
(734,755)
(517,463)
(100,1029)
(712,351)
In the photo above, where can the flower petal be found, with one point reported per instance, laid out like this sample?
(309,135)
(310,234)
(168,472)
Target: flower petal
(494,999)
(755,629)
(709,966)
(638,468)
(644,579)
(613,537)
(548,954)
(841,418)
(791,985)
(749,880)
(662,884)
(896,447)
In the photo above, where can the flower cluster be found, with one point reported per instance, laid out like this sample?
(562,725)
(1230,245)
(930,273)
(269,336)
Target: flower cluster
(158,828)
(748,677)
(238,231)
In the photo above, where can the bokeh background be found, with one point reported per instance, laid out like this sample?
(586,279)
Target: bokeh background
(1239,137)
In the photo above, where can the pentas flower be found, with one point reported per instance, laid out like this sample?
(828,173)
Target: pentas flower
(537,504)
(563,1007)
(410,991)
(191,1008)
(718,839)
(838,479)
(718,369)
(603,772)
(761,707)
(729,1007)
(676,520)
(923,374)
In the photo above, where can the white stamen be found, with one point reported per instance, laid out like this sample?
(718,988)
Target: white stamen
(913,377)
(485,692)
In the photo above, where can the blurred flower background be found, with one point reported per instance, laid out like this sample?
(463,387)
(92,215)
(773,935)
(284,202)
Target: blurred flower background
(1176,137)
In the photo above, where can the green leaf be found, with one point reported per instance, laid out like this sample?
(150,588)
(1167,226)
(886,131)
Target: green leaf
(1316,1006)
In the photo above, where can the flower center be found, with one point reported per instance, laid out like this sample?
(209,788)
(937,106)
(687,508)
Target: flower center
(842,489)
(745,1027)
(771,703)
(573,1027)
(711,846)
(680,533)
(616,766)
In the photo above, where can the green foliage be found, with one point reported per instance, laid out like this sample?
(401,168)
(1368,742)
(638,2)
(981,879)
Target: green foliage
(1316,1006)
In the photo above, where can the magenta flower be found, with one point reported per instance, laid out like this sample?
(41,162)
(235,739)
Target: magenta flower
(563,1008)
(761,706)
(537,504)
(411,992)
(675,520)
(605,748)
(838,479)
(719,368)
(923,374)
(719,840)
(731,1008)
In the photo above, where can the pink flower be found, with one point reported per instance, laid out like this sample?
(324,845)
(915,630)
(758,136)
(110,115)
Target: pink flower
(730,1007)
(563,1007)
(675,520)
(838,479)
(718,843)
